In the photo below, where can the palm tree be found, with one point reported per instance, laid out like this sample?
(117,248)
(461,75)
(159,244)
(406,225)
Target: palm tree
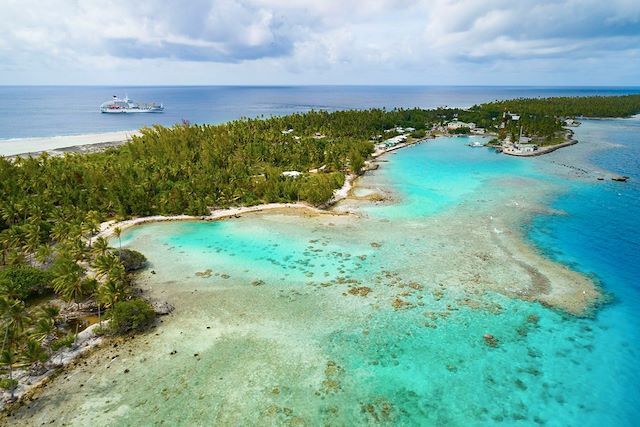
(68,282)
(100,246)
(8,358)
(60,231)
(91,224)
(111,292)
(11,289)
(118,232)
(50,311)
(13,316)
(5,242)
(78,249)
(34,353)
(104,264)
(42,328)
(32,240)
(43,253)
(45,327)
(9,213)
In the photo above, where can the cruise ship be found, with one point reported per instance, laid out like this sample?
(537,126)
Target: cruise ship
(125,105)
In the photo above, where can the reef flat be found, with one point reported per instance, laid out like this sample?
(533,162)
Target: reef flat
(420,307)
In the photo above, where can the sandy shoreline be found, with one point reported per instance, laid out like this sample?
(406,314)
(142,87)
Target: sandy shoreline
(67,143)
(85,341)
(107,228)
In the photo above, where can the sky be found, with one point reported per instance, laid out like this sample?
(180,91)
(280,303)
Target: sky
(295,42)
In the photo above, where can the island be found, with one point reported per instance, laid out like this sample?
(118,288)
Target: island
(61,216)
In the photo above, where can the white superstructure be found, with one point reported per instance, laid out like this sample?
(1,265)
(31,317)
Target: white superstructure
(120,105)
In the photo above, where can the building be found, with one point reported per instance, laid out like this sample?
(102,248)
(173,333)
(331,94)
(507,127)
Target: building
(526,148)
(292,174)
(524,140)
(457,125)
(392,142)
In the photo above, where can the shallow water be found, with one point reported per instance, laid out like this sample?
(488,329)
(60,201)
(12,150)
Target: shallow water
(266,332)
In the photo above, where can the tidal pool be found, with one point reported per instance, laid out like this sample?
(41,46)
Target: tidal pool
(375,314)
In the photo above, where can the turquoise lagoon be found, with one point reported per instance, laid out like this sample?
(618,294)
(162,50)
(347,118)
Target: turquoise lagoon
(266,332)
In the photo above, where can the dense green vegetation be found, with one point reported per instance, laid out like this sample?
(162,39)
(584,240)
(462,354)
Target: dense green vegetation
(51,207)
(23,282)
(542,117)
(587,106)
(131,260)
(130,316)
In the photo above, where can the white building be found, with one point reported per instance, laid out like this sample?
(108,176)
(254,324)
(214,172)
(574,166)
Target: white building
(526,148)
(457,125)
(392,142)
(292,174)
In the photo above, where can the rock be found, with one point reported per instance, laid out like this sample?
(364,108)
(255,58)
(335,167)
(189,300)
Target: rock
(161,308)
(362,291)
(490,340)
(132,260)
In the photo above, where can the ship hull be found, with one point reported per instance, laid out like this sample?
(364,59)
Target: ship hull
(129,110)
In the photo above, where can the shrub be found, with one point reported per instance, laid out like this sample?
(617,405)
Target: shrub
(461,131)
(8,384)
(132,260)
(23,281)
(133,315)
(66,341)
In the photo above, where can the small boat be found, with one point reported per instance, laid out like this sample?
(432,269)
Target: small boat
(125,105)
(476,144)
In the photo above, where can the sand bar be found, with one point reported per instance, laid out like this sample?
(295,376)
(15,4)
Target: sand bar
(23,146)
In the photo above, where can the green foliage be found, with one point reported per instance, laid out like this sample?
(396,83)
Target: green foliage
(131,260)
(68,281)
(66,341)
(8,384)
(541,117)
(579,106)
(34,352)
(133,315)
(319,188)
(23,282)
(461,131)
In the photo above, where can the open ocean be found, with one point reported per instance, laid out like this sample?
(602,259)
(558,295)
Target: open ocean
(42,111)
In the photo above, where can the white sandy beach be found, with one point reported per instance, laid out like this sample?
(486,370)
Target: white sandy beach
(15,146)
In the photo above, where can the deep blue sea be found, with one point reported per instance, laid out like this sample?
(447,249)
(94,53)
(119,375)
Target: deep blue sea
(40,111)
(599,235)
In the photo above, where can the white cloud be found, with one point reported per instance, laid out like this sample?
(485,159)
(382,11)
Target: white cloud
(355,40)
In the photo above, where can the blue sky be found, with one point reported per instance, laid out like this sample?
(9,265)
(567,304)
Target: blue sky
(254,42)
